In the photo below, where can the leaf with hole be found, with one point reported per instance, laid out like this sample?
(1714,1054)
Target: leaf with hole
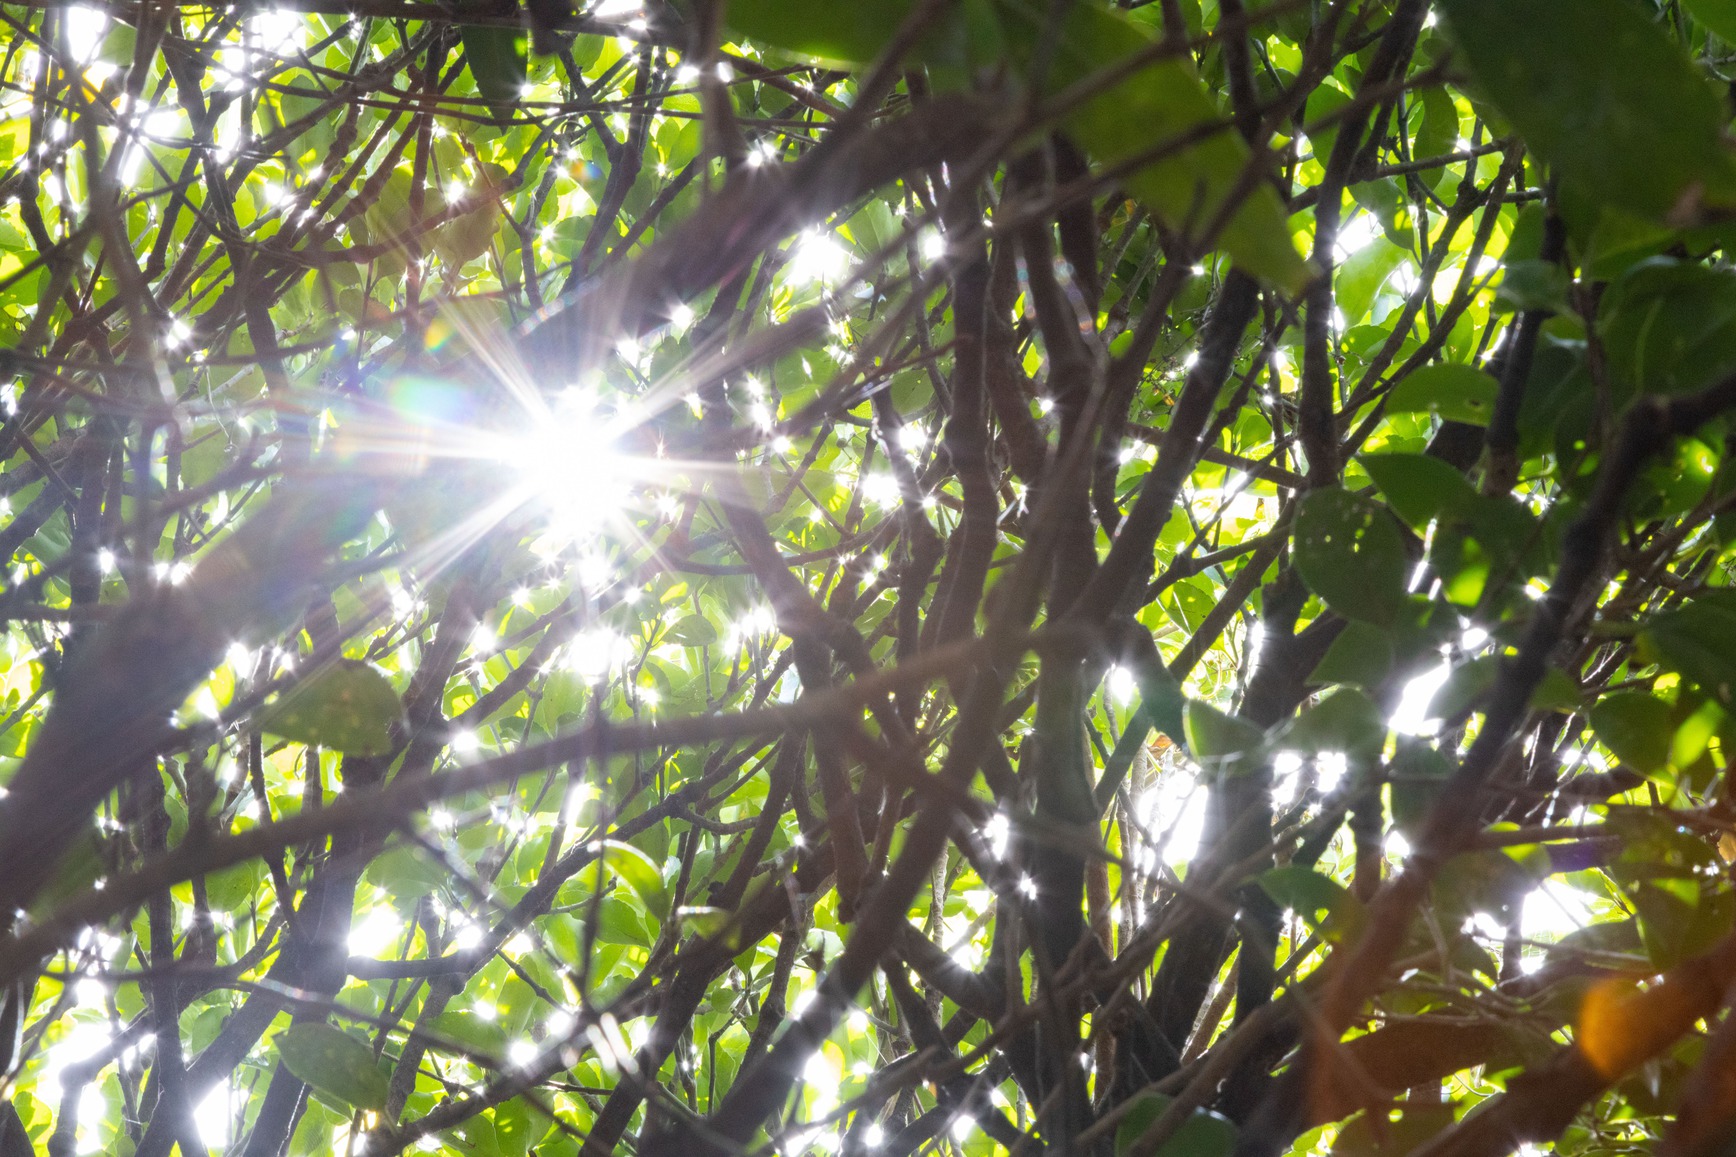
(1449,391)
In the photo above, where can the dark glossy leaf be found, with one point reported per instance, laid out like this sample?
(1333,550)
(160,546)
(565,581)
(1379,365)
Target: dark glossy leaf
(1669,326)
(1699,640)
(1360,656)
(1417,773)
(1598,943)
(1349,552)
(1681,917)
(1417,487)
(1464,688)
(1532,285)
(1203,1134)
(1637,728)
(1451,392)
(334,1062)
(497,58)
(348,707)
(1600,92)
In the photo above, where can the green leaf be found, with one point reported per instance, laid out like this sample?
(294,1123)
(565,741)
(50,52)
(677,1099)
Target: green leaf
(1467,684)
(1349,553)
(405,874)
(1417,772)
(692,631)
(348,707)
(1161,101)
(1362,274)
(1699,641)
(334,1062)
(514,1127)
(1203,1134)
(1532,285)
(1377,1134)
(1163,701)
(1557,692)
(640,873)
(1164,101)
(1669,326)
(1417,487)
(1361,656)
(1602,94)
(703,921)
(1719,16)
(1225,743)
(1451,392)
(1637,727)
(1320,900)
(497,61)
(1344,721)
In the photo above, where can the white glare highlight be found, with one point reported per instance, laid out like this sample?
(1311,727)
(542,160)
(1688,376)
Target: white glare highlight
(211,1117)
(1412,715)
(816,257)
(570,462)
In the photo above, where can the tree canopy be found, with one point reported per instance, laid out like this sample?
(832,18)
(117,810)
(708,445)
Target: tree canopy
(690,577)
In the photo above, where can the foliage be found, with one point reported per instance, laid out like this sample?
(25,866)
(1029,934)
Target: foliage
(890,576)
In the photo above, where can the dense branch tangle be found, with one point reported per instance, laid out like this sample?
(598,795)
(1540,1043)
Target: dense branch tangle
(646,604)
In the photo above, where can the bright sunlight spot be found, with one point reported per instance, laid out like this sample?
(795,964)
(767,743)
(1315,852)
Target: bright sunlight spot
(1411,716)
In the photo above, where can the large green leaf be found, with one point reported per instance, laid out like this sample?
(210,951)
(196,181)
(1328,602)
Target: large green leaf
(1345,721)
(1416,773)
(1669,326)
(497,63)
(1349,552)
(1419,488)
(1322,902)
(1699,641)
(1717,15)
(1133,118)
(1162,102)
(640,873)
(1600,92)
(1203,1134)
(1454,393)
(1224,743)
(348,707)
(1636,727)
(1360,656)
(334,1062)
